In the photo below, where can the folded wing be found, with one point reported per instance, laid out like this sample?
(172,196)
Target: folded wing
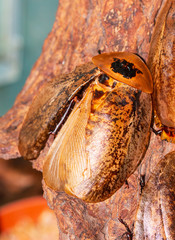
(67,164)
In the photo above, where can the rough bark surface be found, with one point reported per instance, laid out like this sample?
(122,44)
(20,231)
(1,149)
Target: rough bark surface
(81,29)
(154,217)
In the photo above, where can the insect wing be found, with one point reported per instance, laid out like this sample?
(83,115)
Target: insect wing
(161,62)
(48,107)
(67,164)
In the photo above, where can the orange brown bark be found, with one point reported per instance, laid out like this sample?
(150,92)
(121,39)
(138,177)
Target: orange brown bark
(81,28)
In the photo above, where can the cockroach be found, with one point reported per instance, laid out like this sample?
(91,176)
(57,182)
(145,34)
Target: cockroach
(104,137)
(161,62)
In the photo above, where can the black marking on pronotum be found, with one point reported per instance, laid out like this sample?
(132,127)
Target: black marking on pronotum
(125,68)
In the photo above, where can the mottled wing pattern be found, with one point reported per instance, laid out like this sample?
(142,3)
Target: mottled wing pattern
(48,106)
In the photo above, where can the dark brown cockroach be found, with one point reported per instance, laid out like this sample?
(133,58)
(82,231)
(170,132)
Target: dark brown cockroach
(106,134)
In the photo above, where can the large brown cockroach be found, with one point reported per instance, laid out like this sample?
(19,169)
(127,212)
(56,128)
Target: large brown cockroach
(105,116)
(155,217)
(161,62)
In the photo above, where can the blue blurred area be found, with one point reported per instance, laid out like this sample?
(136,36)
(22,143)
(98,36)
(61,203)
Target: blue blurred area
(36,21)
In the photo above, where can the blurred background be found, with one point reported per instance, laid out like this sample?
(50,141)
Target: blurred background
(24,25)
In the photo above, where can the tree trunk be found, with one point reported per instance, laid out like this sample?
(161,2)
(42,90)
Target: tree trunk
(81,29)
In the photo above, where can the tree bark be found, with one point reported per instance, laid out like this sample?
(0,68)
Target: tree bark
(81,28)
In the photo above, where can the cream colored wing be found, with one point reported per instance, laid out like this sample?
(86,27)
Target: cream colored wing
(66,163)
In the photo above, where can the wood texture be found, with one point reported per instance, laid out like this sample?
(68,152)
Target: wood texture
(154,217)
(82,28)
